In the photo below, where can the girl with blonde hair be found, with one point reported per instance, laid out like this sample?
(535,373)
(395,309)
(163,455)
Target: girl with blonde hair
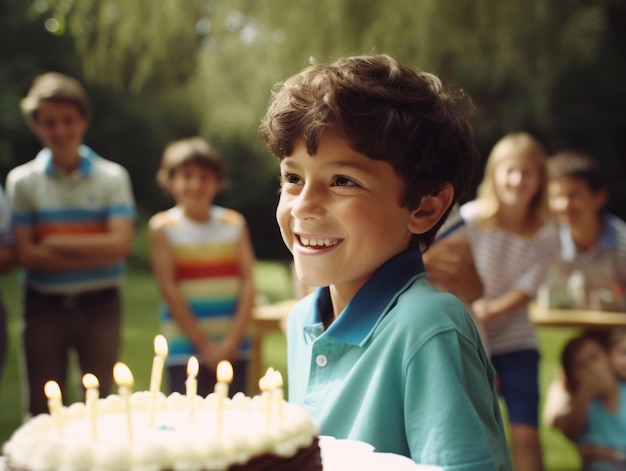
(512,243)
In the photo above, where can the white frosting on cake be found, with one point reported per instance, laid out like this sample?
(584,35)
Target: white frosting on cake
(177,440)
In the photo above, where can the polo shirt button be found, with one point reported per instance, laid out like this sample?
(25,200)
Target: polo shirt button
(321,361)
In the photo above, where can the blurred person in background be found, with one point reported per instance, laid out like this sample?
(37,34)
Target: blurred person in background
(593,244)
(203,262)
(74,215)
(595,376)
(7,262)
(512,241)
(593,241)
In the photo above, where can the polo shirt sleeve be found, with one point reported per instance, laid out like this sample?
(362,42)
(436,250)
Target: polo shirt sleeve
(121,200)
(6,234)
(451,411)
(17,190)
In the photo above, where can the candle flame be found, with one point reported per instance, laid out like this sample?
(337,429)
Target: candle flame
(160,346)
(224,372)
(192,367)
(263,383)
(90,381)
(52,390)
(122,375)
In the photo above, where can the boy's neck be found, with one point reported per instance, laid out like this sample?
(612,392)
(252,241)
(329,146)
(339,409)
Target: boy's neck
(610,399)
(66,162)
(587,236)
(197,214)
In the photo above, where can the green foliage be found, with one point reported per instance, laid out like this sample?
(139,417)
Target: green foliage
(176,68)
(126,44)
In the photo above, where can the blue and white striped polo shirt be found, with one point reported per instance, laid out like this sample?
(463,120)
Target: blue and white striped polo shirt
(83,202)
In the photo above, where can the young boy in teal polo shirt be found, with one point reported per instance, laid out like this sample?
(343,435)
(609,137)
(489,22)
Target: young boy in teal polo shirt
(372,157)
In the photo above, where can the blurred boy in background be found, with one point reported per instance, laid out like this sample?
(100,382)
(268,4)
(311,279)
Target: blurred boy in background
(203,261)
(74,218)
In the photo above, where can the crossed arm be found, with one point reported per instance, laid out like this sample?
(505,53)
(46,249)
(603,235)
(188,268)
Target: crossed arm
(61,252)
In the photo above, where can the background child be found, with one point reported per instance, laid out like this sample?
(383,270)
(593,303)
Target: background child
(596,380)
(593,242)
(203,261)
(372,156)
(512,244)
(7,262)
(73,222)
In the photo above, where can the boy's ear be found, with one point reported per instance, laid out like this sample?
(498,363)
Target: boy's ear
(430,210)
(601,198)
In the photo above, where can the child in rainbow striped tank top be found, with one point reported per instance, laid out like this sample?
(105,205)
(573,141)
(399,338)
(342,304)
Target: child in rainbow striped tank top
(203,261)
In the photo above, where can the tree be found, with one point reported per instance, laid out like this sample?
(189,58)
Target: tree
(550,67)
(128,44)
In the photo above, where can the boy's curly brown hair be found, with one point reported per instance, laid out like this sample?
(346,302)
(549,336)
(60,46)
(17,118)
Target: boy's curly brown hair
(385,111)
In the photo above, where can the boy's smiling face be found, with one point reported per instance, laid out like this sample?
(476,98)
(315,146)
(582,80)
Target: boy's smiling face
(574,203)
(60,126)
(340,214)
(194,187)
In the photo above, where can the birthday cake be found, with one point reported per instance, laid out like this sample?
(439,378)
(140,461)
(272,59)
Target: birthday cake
(139,433)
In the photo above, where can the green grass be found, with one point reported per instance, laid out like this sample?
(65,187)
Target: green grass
(273,281)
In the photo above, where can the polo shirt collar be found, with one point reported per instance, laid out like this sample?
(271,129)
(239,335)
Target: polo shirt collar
(85,167)
(607,241)
(356,322)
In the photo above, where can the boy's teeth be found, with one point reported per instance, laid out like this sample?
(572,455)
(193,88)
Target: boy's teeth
(318,242)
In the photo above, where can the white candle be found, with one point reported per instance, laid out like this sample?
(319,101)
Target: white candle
(91,385)
(278,394)
(53,392)
(265,386)
(124,379)
(224,377)
(191,383)
(160,352)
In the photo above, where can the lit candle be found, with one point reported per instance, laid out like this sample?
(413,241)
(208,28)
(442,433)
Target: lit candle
(91,385)
(224,377)
(53,392)
(278,394)
(192,383)
(160,352)
(124,379)
(265,386)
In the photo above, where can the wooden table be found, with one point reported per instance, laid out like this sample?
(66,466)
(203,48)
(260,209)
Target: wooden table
(585,319)
(266,319)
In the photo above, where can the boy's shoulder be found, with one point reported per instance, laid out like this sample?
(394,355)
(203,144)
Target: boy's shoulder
(429,308)
(39,165)
(108,167)
(227,215)
(25,170)
(161,220)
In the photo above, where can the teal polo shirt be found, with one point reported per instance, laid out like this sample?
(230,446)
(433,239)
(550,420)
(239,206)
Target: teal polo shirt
(401,368)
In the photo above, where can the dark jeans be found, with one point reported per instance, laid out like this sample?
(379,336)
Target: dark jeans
(177,374)
(88,323)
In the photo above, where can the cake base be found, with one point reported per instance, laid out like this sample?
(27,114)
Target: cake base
(307,459)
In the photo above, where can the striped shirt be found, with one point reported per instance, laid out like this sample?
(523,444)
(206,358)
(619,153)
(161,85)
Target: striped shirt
(506,261)
(6,232)
(206,257)
(49,201)
(604,264)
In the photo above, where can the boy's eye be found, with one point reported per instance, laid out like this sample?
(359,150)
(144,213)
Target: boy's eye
(343,181)
(289,178)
